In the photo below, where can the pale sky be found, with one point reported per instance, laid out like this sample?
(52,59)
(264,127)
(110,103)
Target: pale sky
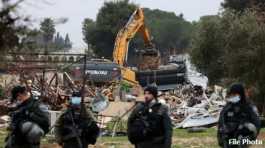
(77,10)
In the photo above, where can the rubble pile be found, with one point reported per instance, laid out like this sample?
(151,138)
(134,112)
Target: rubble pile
(4,120)
(3,107)
(53,89)
(191,106)
(149,62)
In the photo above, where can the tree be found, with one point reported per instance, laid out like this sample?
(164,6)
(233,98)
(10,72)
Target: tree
(238,5)
(33,41)
(168,32)
(47,28)
(10,25)
(88,29)
(245,51)
(59,42)
(207,49)
(241,5)
(258,6)
(231,47)
(166,29)
(67,42)
(101,34)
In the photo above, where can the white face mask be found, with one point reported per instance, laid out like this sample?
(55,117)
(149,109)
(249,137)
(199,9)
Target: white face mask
(17,102)
(234,99)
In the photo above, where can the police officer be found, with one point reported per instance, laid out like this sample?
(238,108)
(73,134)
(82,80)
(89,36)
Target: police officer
(149,125)
(239,121)
(29,122)
(76,126)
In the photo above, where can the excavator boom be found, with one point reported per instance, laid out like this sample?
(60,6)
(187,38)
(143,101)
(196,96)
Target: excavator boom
(135,24)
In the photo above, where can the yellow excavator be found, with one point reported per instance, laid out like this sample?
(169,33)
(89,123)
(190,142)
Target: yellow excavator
(150,57)
(148,70)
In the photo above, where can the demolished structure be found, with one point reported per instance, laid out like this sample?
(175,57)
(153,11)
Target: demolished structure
(190,106)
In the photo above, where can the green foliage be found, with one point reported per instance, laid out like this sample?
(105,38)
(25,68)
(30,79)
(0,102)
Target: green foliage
(67,42)
(231,47)
(15,36)
(242,45)
(36,40)
(88,30)
(241,5)
(102,33)
(10,25)
(125,86)
(61,43)
(29,41)
(246,51)
(238,5)
(114,15)
(167,30)
(207,48)
(121,125)
(47,28)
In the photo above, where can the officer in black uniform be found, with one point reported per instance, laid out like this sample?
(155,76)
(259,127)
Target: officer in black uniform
(29,122)
(76,127)
(239,121)
(149,125)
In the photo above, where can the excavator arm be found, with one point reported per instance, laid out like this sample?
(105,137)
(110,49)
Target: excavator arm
(135,24)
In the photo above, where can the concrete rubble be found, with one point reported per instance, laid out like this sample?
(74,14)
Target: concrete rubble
(190,106)
(4,120)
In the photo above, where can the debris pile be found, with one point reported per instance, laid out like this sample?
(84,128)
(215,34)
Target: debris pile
(149,62)
(191,106)
(53,88)
(4,121)
(3,107)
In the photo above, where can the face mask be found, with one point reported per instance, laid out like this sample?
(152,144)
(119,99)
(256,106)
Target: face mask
(17,101)
(76,100)
(234,99)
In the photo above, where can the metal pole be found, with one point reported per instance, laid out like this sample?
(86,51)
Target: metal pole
(42,83)
(84,78)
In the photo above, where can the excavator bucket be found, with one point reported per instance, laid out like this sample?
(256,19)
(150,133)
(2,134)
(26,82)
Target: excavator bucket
(150,59)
